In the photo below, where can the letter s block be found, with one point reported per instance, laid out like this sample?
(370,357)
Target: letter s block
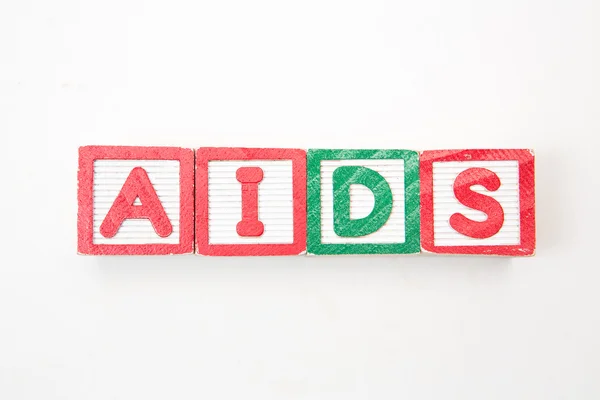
(363,202)
(135,200)
(478,202)
(250,202)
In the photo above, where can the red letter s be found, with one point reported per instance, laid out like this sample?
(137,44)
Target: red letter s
(462,190)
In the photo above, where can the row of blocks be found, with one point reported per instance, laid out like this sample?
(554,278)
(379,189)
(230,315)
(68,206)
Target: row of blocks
(260,202)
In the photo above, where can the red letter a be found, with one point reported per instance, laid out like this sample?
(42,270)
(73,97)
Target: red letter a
(477,201)
(137,185)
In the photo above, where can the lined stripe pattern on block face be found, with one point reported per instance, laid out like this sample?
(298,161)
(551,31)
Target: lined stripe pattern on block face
(445,203)
(362,202)
(275,202)
(109,177)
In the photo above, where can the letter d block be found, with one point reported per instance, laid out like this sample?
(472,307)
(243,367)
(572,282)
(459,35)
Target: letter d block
(478,202)
(135,200)
(363,202)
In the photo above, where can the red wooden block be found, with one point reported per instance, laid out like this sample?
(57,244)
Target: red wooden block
(135,200)
(478,202)
(250,202)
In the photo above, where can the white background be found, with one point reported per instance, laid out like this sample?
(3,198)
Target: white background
(324,73)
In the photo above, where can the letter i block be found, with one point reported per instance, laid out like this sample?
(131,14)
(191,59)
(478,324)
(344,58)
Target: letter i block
(250,202)
(363,202)
(478,202)
(135,200)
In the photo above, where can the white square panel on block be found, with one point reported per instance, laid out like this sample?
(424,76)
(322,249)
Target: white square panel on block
(275,202)
(445,203)
(362,201)
(109,177)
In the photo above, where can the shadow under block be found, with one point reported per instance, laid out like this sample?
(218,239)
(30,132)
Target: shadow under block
(363,202)
(250,202)
(135,200)
(478,202)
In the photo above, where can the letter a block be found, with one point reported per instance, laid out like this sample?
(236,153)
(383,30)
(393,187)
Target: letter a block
(135,200)
(478,202)
(363,202)
(250,202)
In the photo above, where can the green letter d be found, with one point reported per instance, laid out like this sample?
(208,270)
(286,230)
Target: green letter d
(345,176)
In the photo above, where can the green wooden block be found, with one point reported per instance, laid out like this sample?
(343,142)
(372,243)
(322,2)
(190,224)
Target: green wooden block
(363,202)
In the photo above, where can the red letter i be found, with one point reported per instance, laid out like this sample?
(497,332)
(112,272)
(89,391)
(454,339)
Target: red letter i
(249,177)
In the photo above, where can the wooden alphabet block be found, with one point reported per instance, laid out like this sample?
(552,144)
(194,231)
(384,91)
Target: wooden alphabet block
(478,202)
(363,202)
(135,200)
(250,202)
